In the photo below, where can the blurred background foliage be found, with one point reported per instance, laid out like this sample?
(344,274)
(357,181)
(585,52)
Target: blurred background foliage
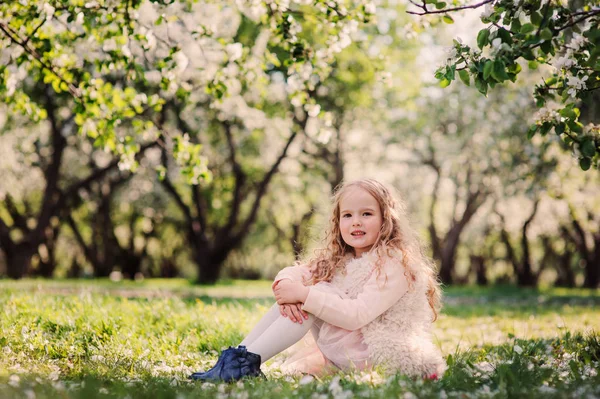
(220,160)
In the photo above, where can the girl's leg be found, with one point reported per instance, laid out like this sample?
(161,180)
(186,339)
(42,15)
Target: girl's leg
(262,325)
(279,336)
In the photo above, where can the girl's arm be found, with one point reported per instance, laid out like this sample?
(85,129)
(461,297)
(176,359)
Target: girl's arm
(299,273)
(351,314)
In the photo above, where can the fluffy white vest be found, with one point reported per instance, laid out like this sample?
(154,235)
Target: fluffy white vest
(399,339)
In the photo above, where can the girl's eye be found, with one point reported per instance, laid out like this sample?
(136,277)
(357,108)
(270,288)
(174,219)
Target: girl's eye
(346,215)
(367,214)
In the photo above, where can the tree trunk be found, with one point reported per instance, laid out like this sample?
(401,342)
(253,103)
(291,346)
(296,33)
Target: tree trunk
(561,262)
(209,270)
(18,260)
(592,265)
(447,264)
(478,266)
(448,253)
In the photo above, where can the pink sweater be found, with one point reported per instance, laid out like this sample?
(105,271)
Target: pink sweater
(359,301)
(377,296)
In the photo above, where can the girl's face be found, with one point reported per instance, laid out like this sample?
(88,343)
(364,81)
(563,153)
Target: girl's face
(360,219)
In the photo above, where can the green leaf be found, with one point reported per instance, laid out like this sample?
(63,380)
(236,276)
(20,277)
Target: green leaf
(528,55)
(483,38)
(568,113)
(481,85)
(499,71)
(585,163)
(505,36)
(536,18)
(575,126)
(487,69)
(531,132)
(546,47)
(545,128)
(546,34)
(515,25)
(450,72)
(464,76)
(527,28)
(448,19)
(440,5)
(588,148)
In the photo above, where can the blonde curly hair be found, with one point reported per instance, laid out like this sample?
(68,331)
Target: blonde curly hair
(395,235)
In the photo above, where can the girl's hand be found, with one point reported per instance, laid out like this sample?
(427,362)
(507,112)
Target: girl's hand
(293,311)
(290,292)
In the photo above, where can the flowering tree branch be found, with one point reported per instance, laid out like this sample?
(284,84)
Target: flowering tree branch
(536,33)
(446,10)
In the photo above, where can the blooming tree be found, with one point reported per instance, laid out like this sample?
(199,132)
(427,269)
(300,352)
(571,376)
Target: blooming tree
(237,76)
(533,33)
(103,53)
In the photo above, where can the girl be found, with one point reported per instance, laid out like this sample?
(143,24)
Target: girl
(369,298)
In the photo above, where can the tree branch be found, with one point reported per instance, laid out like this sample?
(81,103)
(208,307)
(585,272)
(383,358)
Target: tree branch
(436,245)
(86,249)
(426,11)
(73,189)
(6,243)
(52,173)
(239,178)
(168,185)
(524,240)
(510,252)
(580,241)
(575,22)
(261,191)
(200,207)
(19,220)
(74,90)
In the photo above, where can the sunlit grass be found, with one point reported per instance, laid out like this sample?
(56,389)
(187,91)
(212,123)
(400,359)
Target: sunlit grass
(142,339)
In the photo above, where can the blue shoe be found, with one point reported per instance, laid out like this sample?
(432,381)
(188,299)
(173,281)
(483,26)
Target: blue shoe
(233,364)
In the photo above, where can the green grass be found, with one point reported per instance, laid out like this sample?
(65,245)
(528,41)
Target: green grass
(85,339)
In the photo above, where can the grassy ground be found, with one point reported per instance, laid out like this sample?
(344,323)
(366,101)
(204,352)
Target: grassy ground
(83,339)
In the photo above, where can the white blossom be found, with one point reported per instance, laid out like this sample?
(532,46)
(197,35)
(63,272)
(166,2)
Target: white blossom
(234,51)
(49,11)
(150,38)
(497,46)
(488,10)
(126,51)
(576,84)
(127,161)
(109,45)
(79,19)
(577,42)
(294,83)
(181,61)
(451,54)
(312,109)
(563,62)
(307,379)
(11,85)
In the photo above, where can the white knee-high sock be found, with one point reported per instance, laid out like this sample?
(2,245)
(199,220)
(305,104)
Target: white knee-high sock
(280,335)
(262,325)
